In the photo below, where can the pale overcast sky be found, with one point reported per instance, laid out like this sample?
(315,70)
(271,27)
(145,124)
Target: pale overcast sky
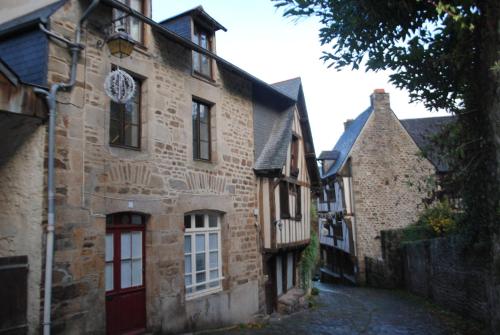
(272,48)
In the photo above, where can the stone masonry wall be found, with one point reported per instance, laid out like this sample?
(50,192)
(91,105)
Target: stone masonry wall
(21,211)
(384,158)
(161,179)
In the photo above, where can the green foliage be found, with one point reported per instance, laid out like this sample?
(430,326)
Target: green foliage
(308,260)
(314,291)
(439,217)
(417,232)
(446,55)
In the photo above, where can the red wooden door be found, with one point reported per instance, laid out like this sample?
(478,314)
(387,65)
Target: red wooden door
(124,274)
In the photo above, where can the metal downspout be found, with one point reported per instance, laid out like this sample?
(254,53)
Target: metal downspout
(75,48)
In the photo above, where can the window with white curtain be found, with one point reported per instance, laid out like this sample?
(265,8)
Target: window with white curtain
(202,253)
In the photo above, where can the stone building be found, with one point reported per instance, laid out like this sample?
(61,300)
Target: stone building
(157,221)
(366,185)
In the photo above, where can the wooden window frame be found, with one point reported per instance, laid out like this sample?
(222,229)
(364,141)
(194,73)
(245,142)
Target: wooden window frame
(192,231)
(197,128)
(196,38)
(123,124)
(119,15)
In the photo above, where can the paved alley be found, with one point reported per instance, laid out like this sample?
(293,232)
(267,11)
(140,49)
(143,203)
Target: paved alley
(353,310)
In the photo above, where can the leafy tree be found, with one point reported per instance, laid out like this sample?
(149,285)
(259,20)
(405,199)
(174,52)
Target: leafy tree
(445,53)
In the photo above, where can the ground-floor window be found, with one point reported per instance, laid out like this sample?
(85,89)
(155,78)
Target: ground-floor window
(202,253)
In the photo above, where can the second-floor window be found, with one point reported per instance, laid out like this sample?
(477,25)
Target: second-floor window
(202,64)
(201,131)
(290,201)
(129,24)
(124,126)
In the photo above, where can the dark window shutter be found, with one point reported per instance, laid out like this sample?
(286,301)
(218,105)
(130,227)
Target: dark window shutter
(13,294)
(298,207)
(284,201)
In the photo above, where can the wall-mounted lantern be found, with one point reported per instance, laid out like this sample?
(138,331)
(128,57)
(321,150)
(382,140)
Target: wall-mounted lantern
(120,44)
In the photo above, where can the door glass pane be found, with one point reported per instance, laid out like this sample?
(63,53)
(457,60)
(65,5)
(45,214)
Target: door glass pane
(200,242)
(213,241)
(109,248)
(137,244)
(187,264)
(137,272)
(214,259)
(213,221)
(187,244)
(126,274)
(108,275)
(200,262)
(136,219)
(125,245)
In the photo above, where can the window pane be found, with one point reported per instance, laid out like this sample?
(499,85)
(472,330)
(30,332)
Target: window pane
(114,132)
(188,280)
(200,262)
(204,113)
(196,61)
(204,150)
(131,135)
(200,243)
(136,219)
(137,272)
(115,111)
(126,274)
(131,112)
(187,264)
(214,259)
(109,247)
(214,274)
(199,221)
(203,40)
(200,278)
(124,219)
(204,131)
(125,245)
(135,29)
(213,221)
(205,65)
(213,241)
(137,245)
(187,244)
(187,221)
(108,275)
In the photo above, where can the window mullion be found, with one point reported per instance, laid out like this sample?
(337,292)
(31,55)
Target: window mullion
(207,258)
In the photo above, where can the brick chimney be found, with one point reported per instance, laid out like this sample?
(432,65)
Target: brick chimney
(380,98)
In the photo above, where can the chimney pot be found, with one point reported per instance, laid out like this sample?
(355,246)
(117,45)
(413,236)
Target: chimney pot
(378,91)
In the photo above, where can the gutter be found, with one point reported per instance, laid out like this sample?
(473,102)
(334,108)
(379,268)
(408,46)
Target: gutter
(75,48)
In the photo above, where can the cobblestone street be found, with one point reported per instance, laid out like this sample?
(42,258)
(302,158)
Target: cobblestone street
(354,310)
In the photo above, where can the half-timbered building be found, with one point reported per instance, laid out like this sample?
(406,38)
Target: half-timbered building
(286,171)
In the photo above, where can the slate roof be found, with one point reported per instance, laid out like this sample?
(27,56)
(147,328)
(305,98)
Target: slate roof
(30,19)
(289,87)
(198,12)
(273,155)
(346,141)
(422,130)
(329,155)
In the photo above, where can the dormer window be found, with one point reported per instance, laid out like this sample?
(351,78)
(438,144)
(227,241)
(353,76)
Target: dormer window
(202,64)
(127,23)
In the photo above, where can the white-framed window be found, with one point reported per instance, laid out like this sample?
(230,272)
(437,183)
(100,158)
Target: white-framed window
(202,253)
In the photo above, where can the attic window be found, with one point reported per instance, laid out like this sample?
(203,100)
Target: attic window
(294,157)
(202,64)
(129,24)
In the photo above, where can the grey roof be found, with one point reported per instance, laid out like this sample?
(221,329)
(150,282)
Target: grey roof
(346,141)
(10,74)
(289,87)
(200,13)
(329,155)
(273,154)
(422,130)
(30,19)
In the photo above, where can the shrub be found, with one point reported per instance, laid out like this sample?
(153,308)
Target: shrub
(440,218)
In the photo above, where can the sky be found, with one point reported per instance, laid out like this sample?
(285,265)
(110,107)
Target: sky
(273,48)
